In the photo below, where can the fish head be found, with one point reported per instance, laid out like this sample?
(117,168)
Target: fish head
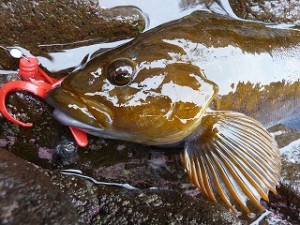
(138,92)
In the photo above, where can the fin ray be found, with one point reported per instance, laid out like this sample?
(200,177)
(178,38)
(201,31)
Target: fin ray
(207,179)
(230,186)
(246,172)
(228,164)
(195,174)
(265,162)
(232,157)
(255,166)
(223,195)
(258,171)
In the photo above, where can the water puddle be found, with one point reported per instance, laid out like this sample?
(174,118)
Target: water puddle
(160,12)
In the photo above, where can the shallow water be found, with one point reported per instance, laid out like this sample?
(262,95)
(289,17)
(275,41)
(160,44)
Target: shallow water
(164,11)
(158,13)
(286,67)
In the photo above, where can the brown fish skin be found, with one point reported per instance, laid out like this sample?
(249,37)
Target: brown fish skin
(212,41)
(161,88)
(271,104)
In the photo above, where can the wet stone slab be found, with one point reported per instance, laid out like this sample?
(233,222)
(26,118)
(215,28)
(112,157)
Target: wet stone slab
(273,11)
(28,196)
(160,196)
(285,206)
(45,25)
(157,207)
(163,193)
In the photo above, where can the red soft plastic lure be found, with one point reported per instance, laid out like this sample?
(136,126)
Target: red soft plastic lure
(37,82)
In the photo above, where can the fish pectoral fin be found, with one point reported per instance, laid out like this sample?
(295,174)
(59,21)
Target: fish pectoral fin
(232,157)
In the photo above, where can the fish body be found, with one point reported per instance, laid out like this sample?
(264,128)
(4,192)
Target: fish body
(169,85)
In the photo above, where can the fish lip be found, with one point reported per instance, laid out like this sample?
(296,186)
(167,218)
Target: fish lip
(67,120)
(68,116)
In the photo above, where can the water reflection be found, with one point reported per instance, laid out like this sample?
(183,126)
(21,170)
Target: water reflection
(185,4)
(273,103)
(75,58)
(217,6)
(161,12)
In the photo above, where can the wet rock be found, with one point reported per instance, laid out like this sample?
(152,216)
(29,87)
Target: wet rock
(164,194)
(284,135)
(158,207)
(28,197)
(26,142)
(287,202)
(277,11)
(284,208)
(289,192)
(32,25)
(83,195)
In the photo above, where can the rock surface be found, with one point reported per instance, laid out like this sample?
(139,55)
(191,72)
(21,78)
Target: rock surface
(28,196)
(272,11)
(45,25)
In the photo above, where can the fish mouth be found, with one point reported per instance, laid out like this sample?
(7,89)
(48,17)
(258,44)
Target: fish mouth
(67,120)
(71,109)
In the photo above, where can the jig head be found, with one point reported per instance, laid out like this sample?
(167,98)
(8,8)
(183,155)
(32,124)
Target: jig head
(37,82)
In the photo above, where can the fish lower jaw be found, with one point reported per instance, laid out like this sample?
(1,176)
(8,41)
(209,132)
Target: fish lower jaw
(110,133)
(67,120)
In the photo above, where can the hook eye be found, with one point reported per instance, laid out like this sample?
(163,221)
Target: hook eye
(16,53)
(40,89)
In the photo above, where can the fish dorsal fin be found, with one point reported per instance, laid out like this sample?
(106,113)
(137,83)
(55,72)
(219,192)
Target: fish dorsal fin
(232,157)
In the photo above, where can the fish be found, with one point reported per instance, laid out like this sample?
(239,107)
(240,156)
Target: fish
(203,82)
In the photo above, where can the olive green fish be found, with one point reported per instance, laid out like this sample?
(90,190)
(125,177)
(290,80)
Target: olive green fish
(167,86)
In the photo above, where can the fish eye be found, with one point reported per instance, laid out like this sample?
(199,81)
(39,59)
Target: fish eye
(120,72)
